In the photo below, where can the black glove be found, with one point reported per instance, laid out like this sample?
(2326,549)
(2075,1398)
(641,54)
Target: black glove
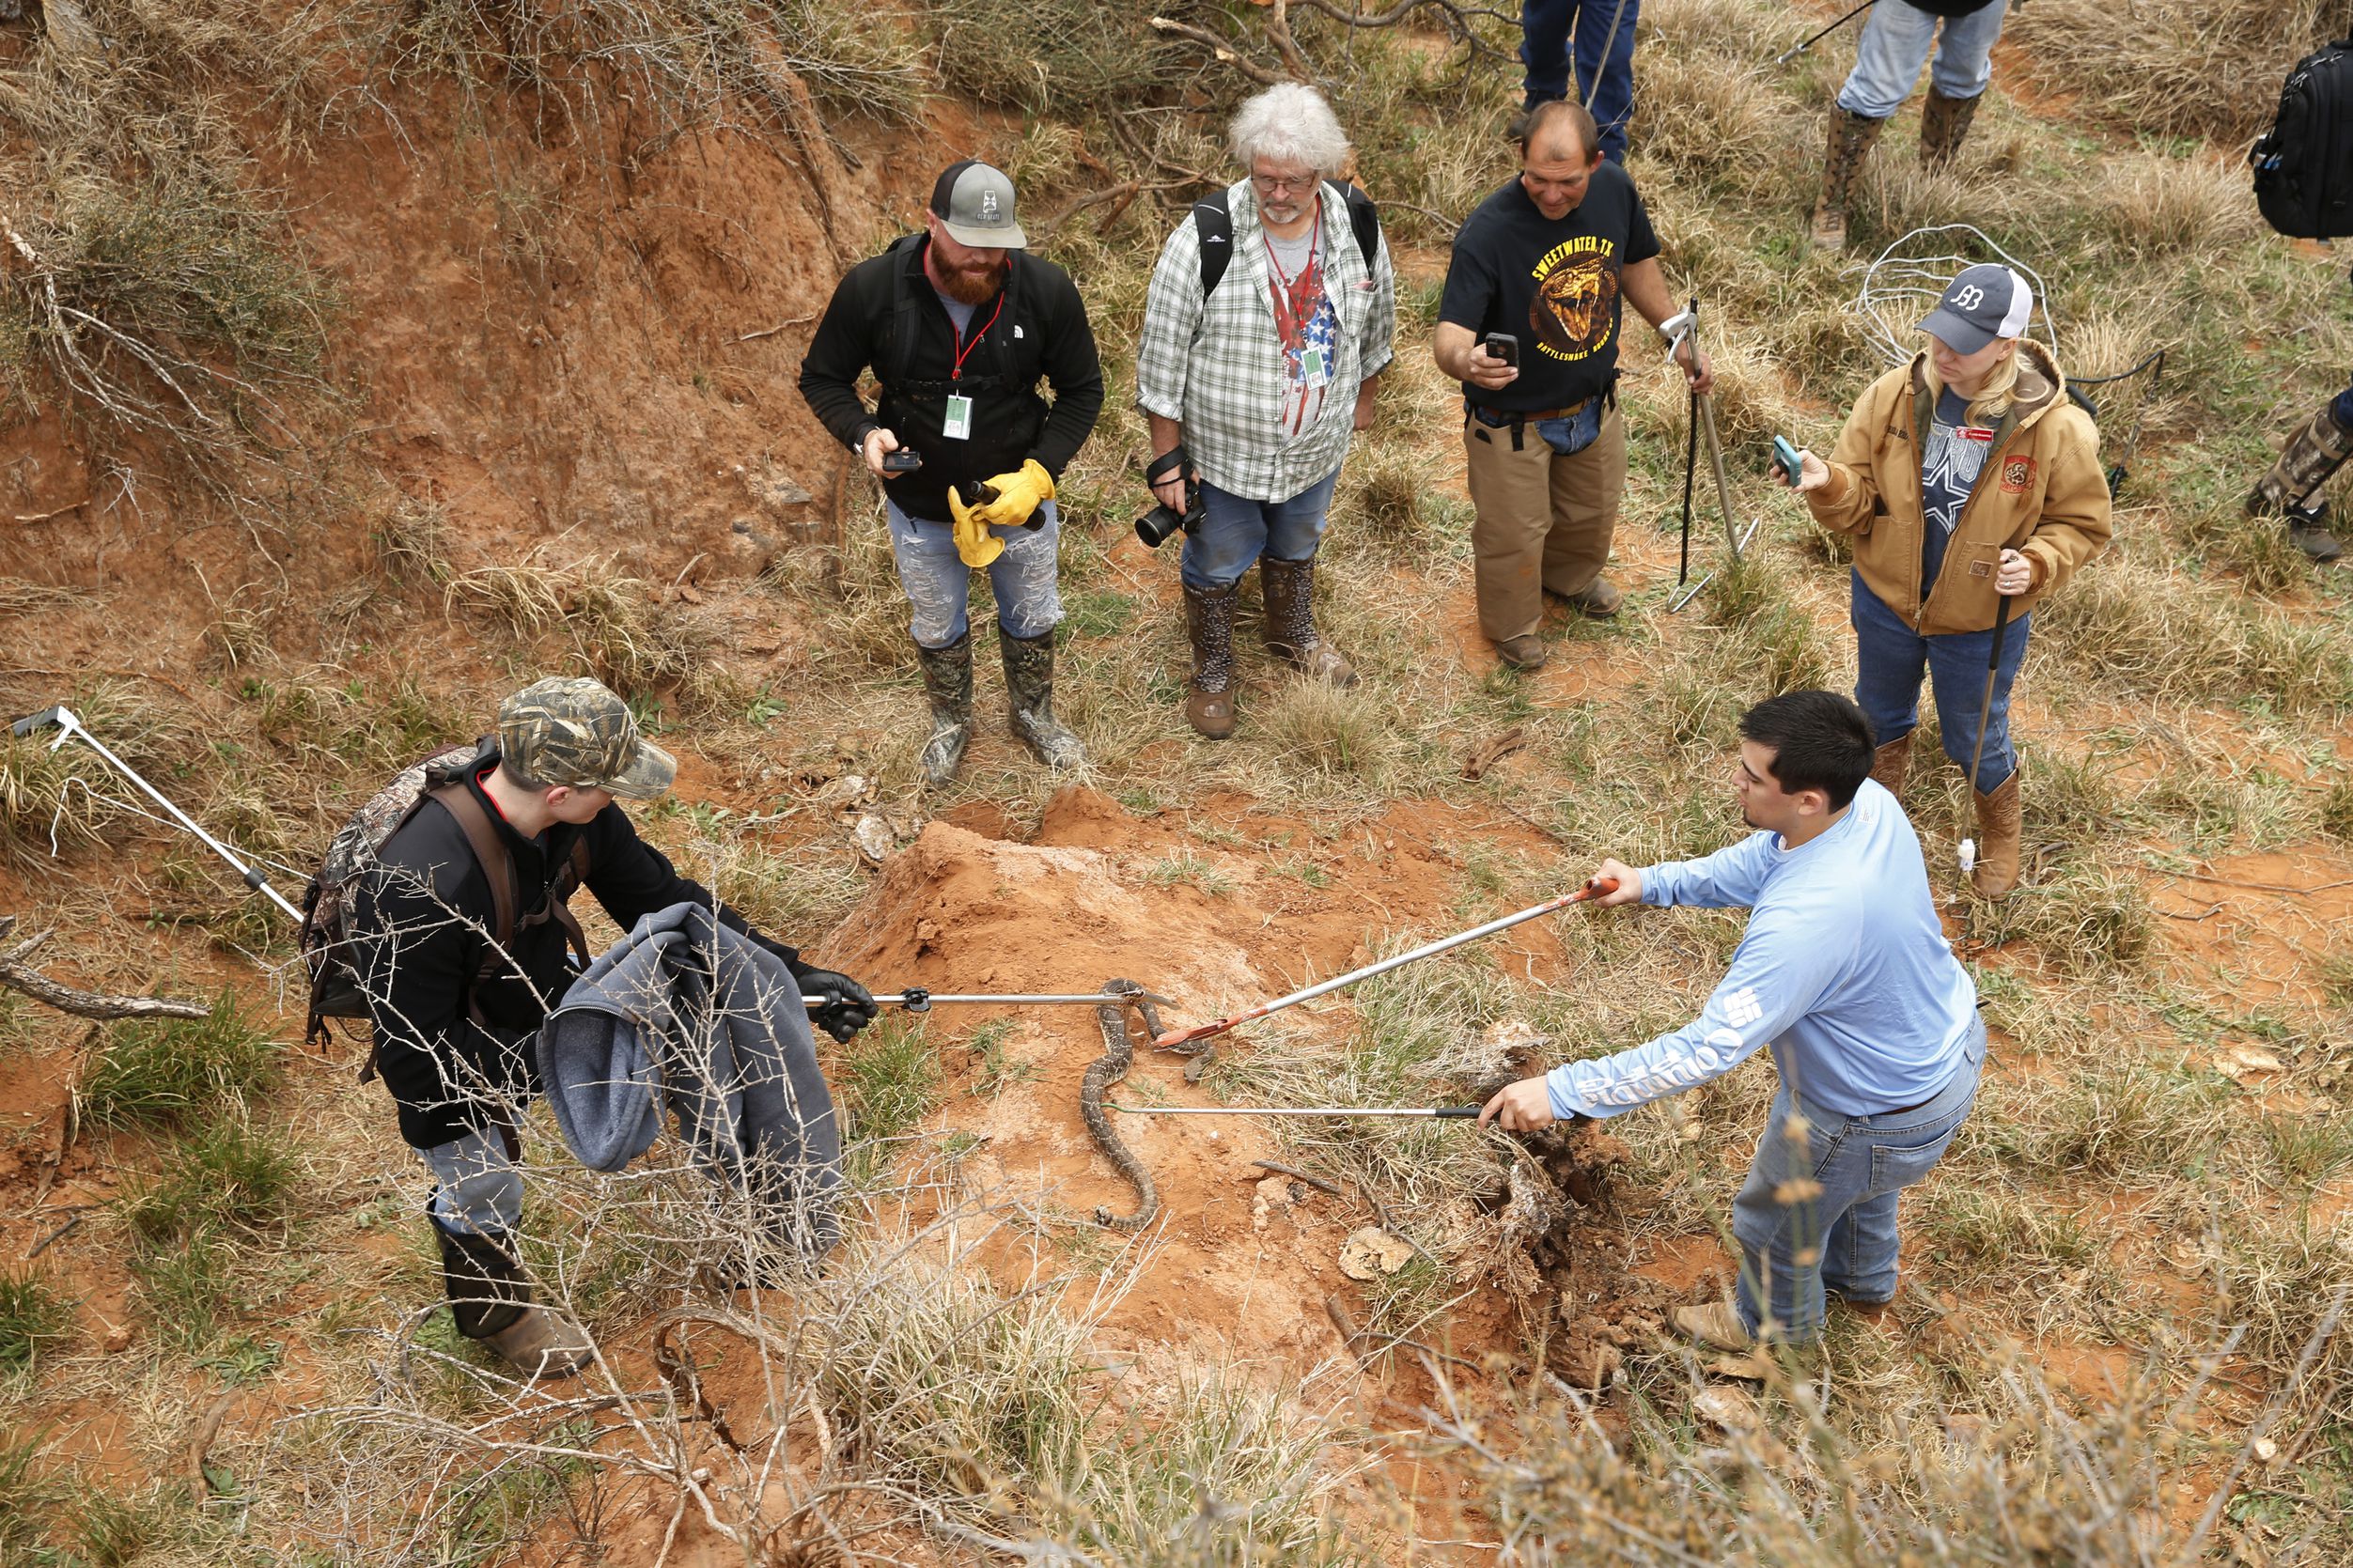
(848,1006)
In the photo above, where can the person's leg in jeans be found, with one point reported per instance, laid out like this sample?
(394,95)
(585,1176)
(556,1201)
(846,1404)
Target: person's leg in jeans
(1608,82)
(1544,48)
(481,1190)
(935,578)
(1890,659)
(1964,56)
(1957,669)
(1584,492)
(1025,576)
(1896,42)
(1511,494)
(1859,1258)
(1778,1218)
(1231,535)
(1295,528)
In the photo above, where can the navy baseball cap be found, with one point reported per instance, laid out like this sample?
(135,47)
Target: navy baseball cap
(974,204)
(1982,303)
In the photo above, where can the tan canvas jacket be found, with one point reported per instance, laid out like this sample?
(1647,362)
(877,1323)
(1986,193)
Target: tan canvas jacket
(2041,492)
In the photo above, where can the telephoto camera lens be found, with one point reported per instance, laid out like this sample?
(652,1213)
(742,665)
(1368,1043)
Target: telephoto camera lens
(1155,526)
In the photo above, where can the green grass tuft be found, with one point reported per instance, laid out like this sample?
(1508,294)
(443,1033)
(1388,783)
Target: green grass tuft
(166,1071)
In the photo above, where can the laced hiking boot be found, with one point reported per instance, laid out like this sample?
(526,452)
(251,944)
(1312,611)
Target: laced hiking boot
(1524,652)
(947,682)
(1596,601)
(490,1299)
(1210,623)
(1943,123)
(1850,138)
(2000,822)
(2312,455)
(1716,1325)
(1029,684)
(1891,761)
(1288,588)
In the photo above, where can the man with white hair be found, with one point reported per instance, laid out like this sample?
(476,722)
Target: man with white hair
(1254,382)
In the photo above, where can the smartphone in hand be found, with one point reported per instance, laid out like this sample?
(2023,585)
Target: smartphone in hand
(1502,346)
(1785,458)
(906,460)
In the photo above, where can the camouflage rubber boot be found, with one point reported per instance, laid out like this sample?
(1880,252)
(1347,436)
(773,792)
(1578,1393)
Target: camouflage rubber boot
(1850,138)
(947,682)
(2312,455)
(1209,624)
(2000,826)
(1029,686)
(1943,123)
(1288,588)
(490,1299)
(1891,761)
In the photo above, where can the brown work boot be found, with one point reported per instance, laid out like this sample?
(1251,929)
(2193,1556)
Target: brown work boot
(1524,652)
(1999,826)
(1288,588)
(1850,138)
(1943,122)
(2313,454)
(1891,761)
(1210,623)
(490,1299)
(1716,1325)
(1596,601)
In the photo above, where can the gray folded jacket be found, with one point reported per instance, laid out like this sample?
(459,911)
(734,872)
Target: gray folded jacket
(684,1016)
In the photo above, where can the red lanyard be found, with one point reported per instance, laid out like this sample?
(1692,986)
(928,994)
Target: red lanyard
(1292,295)
(965,346)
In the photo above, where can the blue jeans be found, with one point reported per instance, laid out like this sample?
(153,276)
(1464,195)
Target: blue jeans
(480,1189)
(2343,409)
(1545,38)
(1842,1237)
(1895,40)
(1890,659)
(939,585)
(1235,531)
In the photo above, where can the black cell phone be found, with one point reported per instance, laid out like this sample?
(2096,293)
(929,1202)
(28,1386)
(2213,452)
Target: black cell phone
(1502,346)
(905,460)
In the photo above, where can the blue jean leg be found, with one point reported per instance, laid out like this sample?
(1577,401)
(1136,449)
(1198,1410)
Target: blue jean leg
(1964,62)
(1839,1231)
(480,1189)
(1890,658)
(1549,28)
(1896,39)
(1235,531)
(939,585)
(2342,408)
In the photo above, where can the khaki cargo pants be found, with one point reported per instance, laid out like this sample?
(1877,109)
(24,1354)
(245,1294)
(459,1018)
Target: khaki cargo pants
(1544,520)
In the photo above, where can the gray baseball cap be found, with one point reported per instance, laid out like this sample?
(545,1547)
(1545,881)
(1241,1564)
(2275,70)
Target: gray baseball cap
(974,204)
(1981,304)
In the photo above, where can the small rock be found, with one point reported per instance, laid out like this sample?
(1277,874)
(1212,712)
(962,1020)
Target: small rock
(1373,1254)
(2241,1063)
(2264,1450)
(117,1339)
(872,836)
(1272,1194)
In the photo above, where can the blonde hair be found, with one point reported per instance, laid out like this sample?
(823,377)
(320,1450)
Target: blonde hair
(1994,398)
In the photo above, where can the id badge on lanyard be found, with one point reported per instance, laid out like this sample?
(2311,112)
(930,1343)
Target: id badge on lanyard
(959,423)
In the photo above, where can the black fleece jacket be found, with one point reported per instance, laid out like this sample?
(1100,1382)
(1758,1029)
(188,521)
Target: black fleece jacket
(1042,331)
(422,922)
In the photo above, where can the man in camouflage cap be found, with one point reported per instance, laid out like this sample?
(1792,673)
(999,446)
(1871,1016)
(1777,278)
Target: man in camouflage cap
(456,1015)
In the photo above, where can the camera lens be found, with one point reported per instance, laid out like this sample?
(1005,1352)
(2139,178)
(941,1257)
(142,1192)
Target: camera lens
(1155,525)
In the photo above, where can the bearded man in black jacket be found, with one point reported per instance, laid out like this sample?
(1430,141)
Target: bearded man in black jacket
(960,325)
(456,1015)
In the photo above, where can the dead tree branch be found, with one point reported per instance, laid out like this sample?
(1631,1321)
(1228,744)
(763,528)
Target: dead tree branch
(1225,52)
(18,976)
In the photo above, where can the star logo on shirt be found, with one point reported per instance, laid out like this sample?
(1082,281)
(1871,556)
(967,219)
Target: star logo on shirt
(1741,1008)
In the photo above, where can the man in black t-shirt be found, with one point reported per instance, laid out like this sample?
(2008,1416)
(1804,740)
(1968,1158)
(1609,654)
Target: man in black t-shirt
(1549,260)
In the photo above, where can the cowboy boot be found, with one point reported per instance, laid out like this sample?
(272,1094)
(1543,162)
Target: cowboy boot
(1029,687)
(1891,761)
(1943,121)
(947,682)
(490,1299)
(1998,829)
(2313,454)
(1210,623)
(1288,588)
(1850,138)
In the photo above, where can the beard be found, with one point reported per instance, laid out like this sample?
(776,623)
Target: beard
(974,284)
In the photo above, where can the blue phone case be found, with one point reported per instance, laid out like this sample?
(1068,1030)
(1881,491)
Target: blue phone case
(1785,458)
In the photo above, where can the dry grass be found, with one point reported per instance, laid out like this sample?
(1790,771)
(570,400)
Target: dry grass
(2175,67)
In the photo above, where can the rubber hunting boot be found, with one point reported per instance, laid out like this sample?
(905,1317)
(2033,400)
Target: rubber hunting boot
(1288,588)
(1891,761)
(947,682)
(1943,122)
(1850,138)
(1210,623)
(1029,685)
(490,1299)
(2312,455)
(1999,825)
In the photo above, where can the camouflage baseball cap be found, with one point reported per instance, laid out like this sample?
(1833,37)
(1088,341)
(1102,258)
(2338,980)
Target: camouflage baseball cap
(571,730)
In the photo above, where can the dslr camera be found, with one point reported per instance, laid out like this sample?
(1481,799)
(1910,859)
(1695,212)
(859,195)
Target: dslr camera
(1155,525)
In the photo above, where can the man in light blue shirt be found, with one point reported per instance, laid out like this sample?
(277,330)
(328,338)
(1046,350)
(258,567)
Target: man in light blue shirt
(1845,976)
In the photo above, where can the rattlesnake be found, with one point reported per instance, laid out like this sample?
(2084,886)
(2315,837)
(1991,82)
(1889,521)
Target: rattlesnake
(1102,1073)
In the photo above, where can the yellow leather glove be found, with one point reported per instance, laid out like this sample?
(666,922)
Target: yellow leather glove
(1018,495)
(974,545)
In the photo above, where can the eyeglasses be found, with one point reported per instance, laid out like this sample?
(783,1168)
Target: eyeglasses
(1294,184)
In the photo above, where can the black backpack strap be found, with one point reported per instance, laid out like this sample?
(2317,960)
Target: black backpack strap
(898,356)
(1364,221)
(1213,226)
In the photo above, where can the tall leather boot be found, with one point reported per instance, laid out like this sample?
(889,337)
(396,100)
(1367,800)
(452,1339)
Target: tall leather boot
(489,1299)
(1943,123)
(1890,763)
(1999,826)
(1209,624)
(1288,588)
(947,682)
(1850,138)
(2312,455)
(1029,689)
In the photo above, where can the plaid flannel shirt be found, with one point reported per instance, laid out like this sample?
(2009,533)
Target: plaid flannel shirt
(1216,368)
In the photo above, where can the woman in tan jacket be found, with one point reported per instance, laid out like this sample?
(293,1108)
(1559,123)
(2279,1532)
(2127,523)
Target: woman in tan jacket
(1963,479)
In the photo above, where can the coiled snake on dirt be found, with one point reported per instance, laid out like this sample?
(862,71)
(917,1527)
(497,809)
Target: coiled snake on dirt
(1104,1071)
